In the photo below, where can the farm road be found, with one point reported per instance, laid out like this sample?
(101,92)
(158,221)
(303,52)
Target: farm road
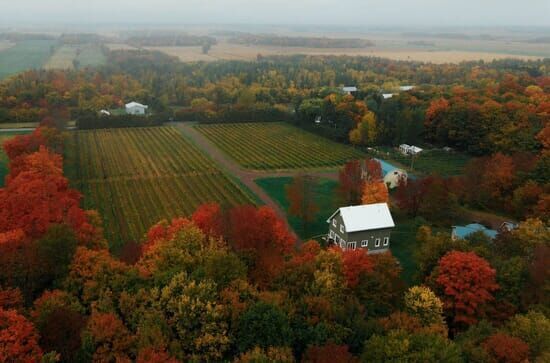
(246,176)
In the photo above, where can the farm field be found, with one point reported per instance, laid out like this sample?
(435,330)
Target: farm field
(3,157)
(85,54)
(266,146)
(137,177)
(451,53)
(24,55)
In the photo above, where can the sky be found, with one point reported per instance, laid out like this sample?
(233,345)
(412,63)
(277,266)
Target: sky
(294,12)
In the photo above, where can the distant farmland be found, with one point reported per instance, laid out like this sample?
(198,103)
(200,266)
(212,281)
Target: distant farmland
(87,55)
(277,146)
(24,55)
(136,177)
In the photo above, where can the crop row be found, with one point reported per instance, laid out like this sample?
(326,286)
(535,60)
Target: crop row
(277,146)
(136,177)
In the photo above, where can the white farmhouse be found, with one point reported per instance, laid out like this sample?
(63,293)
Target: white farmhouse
(134,108)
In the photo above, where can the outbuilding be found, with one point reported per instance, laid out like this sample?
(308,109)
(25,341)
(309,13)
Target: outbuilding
(135,108)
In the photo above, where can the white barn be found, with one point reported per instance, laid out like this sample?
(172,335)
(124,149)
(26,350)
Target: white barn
(135,108)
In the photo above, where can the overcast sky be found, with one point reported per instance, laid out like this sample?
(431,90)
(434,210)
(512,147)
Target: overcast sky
(318,12)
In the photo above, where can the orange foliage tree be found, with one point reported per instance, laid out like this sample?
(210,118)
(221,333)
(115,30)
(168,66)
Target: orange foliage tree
(18,339)
(467,282)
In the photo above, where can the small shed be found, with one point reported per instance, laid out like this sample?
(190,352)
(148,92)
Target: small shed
(104,113)
(387,95)
(135,108)
(406,88)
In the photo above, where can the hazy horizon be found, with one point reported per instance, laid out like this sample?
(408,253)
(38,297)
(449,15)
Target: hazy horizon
(353,13)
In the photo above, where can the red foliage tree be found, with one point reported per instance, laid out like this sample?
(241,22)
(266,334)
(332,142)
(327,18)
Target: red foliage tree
(329,353)
(350,187)
(210,219)
(506,349)
(164,231)
(18,339)
(355,262)
(468,282)
(11,299)
(262,232)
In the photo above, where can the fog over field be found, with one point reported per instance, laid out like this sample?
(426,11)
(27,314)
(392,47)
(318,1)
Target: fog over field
(319,12)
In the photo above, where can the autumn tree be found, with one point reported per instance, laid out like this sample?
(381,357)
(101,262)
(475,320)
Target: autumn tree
(350,186)
(422,303)
(504,348)
(329,353)
(355,263)
(301,196)
(261,232)
(467,282)
(270,354)
(534,329)
(263,325)
(107,339)
(375,192)
(18,338)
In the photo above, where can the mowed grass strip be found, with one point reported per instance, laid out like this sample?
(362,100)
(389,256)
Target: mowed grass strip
(139,176)
(265,146)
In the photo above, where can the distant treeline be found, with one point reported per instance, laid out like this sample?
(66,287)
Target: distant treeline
(169,40)
(91,120)
(311,42)
(19,37)
(235,114)
(82,38)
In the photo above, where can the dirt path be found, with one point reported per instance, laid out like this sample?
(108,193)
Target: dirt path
(245,176)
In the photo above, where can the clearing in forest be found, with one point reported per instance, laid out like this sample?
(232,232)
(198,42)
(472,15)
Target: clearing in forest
(136,177)
(270,145)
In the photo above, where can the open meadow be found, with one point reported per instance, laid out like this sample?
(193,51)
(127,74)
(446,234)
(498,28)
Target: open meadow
(136,177)
(265,146)
(24,55)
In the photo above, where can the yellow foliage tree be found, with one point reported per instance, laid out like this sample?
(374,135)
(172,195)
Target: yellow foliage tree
(422,303)
(375,192)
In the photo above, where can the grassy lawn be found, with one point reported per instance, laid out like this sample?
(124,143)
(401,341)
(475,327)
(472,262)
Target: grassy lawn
(428,162)
(403,237)
(276,145)
(325,198)
(3,157)
(24,55)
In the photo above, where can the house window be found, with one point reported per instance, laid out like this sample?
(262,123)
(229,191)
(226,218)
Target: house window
(352,245)
(342,244)
(337,239)
(377,242)
(331,234)
(341,228)
(386,241)
(365,243)
(334,222)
